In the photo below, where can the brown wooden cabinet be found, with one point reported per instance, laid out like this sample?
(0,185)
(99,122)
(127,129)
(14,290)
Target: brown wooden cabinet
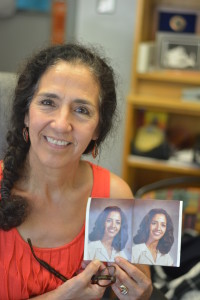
(158,91)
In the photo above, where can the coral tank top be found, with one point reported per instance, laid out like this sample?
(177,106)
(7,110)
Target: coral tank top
(21,276)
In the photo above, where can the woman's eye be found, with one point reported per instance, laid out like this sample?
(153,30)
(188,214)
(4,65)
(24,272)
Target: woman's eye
(82,110)
(47,102)
(108,220)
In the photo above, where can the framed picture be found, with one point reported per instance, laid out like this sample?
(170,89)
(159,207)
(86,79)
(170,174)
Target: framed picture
(178,51)
(176,20)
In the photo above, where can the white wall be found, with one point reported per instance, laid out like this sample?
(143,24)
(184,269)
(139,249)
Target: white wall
(115,34)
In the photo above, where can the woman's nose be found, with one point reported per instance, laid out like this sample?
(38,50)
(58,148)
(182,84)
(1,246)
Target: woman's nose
(158,226)
(63,121)
(113,224)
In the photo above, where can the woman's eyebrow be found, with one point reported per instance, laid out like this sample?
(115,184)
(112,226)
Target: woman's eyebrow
(48,95)
(83,101)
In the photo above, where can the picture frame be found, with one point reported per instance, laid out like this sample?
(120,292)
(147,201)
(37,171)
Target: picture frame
(175,20)
(178,51)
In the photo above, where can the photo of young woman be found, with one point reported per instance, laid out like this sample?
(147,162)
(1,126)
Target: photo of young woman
(154,239)
(109,235)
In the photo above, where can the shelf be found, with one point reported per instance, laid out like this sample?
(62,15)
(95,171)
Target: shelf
(160,90)
(176,76)
(163,165)
(170,105)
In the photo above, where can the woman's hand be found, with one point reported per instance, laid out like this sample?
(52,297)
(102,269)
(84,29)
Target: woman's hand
(139,285)
(80,287)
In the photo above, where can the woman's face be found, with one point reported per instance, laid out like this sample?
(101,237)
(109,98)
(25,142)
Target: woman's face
(112,224)
(158,227)
(63,115)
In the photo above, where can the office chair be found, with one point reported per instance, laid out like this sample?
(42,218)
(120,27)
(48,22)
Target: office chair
(185,188)
(7,85)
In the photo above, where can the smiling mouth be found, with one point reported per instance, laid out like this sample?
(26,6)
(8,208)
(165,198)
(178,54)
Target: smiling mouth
(111,231)
(157,233)
(57,142)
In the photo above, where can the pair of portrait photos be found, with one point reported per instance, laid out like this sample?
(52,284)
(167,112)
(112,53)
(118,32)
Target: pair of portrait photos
(141,231)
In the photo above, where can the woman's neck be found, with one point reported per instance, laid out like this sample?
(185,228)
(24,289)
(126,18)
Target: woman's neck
(49,179)
(57,207)
(53,184)
(108,245)
(152,246)
(107,242)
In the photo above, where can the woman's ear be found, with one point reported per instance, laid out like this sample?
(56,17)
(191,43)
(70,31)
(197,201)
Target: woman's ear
(96,134)
(26,120)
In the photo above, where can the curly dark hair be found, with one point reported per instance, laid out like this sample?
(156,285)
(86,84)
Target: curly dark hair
(121,238)
(13,208)
(166,242)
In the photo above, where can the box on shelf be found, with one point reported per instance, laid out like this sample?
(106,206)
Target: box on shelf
(191,94)
(146,57)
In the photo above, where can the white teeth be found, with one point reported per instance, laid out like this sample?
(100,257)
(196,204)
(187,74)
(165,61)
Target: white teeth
(157,233)
(57,142)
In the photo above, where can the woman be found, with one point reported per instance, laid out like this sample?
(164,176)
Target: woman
(63,107)
(109,240)
(154,239)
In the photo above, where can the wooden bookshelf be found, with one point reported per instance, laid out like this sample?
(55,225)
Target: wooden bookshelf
(158,91)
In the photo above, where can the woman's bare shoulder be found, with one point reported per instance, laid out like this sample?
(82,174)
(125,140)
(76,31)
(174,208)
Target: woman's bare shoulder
(119,188)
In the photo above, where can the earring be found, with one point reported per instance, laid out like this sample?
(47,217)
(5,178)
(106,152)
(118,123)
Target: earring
(95,150)
(25,134)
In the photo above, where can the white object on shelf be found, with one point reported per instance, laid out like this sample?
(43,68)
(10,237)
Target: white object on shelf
(185,156)
(146,57)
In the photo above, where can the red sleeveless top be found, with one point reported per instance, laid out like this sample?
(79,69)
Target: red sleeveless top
(21,276)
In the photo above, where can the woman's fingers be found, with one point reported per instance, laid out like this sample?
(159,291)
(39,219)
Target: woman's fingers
(85,263)
(137,284)
(80,287)
(133,271)
(91,269)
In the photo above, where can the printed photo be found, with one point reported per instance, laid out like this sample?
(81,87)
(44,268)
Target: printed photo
(108,229)
(141,231)
(157,232)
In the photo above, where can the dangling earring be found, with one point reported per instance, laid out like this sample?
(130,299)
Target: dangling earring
(95,150)
(25,134)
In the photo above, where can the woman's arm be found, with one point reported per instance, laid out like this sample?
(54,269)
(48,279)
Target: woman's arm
(119,188)
(79,287)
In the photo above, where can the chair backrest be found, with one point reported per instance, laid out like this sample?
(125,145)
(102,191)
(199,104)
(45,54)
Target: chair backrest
(7,85)
(185,188)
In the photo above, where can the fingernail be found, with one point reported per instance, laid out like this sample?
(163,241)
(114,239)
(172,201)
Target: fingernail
(96,262)
(117,259)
